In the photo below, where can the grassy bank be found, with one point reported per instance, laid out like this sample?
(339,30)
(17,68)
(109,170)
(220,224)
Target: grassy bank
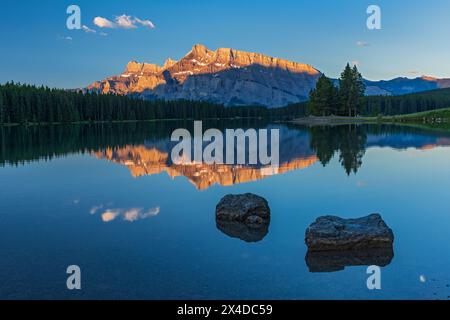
(440,117)
(331,120)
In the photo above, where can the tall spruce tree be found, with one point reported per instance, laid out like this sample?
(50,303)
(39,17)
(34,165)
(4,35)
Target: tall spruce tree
(351,90)
(345,91)
(323,99)
(2,111)
(359,89)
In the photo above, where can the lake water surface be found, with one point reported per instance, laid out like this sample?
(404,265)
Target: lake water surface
(108,199)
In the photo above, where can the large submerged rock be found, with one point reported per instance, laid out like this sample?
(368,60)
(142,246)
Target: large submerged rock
(243,216)
(330,233)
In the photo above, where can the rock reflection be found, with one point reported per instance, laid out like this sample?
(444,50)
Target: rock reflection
(240,230)
(332,261)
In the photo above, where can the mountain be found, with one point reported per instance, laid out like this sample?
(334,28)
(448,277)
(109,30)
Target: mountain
(402,85)
(232,77)
(226,76)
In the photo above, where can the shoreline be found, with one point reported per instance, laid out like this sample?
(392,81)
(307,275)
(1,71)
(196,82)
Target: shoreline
(32,124)
(398,120)
(333,120)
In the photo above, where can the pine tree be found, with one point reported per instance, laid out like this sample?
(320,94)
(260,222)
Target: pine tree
(322,99)
(345,90)
(2,109)
(351,90)
(358,90)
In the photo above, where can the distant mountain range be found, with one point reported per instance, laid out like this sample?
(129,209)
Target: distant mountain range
(402,85)
(232,77)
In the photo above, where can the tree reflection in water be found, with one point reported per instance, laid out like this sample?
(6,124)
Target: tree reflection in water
(347,140)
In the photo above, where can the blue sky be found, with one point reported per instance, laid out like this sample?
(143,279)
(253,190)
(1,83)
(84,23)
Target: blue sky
(413,39)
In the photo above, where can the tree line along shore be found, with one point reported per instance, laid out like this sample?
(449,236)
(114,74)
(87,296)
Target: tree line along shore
(27,104)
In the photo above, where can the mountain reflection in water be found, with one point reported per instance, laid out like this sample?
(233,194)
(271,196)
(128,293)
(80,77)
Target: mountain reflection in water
(299,149)
(144,148)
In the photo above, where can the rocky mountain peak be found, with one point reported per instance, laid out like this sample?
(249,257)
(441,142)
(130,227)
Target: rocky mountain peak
(134,67)
(169,63)
(200,50)
(226,76)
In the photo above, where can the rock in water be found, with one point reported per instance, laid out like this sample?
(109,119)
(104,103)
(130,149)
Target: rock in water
(244,216)
(331,233)
(248,208)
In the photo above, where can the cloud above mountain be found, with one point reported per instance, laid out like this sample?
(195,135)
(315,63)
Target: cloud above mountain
(65,38)
(123,22)
(103,22)
(145,23)
(87,29)
(362,44)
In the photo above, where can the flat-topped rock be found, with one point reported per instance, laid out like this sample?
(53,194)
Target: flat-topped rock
(330,233)
(247,208)
(243,216)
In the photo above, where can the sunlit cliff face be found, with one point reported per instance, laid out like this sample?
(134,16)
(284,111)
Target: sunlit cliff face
(141,161)
(226,76)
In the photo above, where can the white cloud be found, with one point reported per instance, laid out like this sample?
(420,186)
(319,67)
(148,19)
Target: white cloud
(94,209)
(362,44)
(151,213)
(103,22)
(68,39)
(125,22)
(87,29)
(145,23)
(356,63)
(110,215)
(130,215)
(136,214)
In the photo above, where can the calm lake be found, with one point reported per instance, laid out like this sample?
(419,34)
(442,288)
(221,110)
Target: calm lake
(108,199)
